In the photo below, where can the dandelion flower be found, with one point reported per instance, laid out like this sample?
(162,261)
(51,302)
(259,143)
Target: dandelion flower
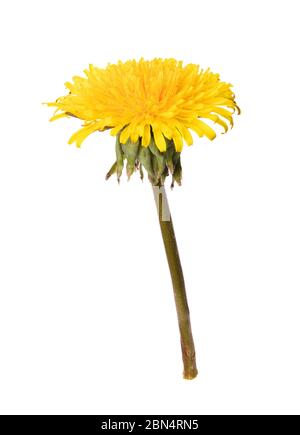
(152,108)
(148,104)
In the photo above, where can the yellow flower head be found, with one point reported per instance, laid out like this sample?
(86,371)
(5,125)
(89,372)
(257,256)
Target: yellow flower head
(143,102)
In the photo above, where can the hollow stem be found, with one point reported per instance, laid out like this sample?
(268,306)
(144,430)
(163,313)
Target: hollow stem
(169,239)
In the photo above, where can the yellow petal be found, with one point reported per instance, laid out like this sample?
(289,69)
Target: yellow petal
(202,129)
(159,139)
(218,120)
(135,135)
(146,136)
(225,113)
(167,130)
(185,133)
(79,136)
(60,115)
(125,135)
(114,131)
(178,142)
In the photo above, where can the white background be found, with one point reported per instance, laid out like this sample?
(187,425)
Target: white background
(87,319)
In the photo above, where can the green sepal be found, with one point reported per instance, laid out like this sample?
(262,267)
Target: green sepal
(177,175)
(169,156)
(120,158)
(130,149)
(144,157)
(157,164)
(158,160)
(112,171)
(141,172)
(155,180)
(164,175)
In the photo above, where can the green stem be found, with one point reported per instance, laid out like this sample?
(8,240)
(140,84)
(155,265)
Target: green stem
(169,239)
